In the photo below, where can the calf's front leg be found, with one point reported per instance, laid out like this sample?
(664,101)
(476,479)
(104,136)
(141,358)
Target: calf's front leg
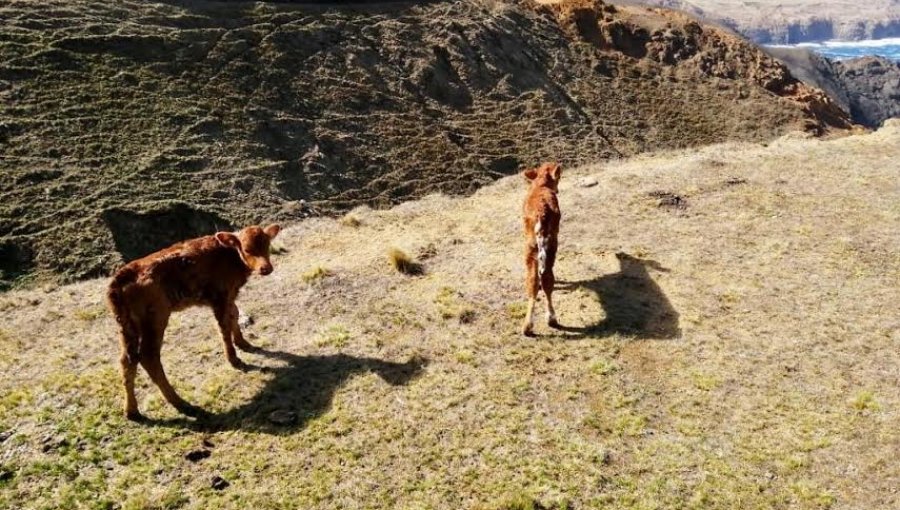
(239,341)
(226,316)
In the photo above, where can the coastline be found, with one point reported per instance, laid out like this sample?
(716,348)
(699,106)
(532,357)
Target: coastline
(836,49)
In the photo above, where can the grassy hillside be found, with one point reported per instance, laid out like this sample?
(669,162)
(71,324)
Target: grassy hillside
(125,126)
(730,341)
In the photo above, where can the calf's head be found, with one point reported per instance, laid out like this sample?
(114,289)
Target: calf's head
(252,244)
(546,175)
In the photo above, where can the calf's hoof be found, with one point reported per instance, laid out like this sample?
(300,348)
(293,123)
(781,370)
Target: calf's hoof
(553,323)
(134,415)
(528,330)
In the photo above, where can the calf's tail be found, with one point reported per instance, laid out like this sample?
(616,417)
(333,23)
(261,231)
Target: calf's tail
(115,295)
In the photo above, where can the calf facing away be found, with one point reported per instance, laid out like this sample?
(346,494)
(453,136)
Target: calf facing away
(207,271)
(541,215)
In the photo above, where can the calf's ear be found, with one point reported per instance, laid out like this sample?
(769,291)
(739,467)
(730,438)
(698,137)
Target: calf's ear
(530,174)
(556,172)
(228,239)
(272,230)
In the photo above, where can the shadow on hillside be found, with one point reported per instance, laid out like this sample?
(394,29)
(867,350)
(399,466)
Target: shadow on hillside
(299,390)
(633,303)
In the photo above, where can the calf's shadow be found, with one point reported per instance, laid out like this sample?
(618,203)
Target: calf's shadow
(300,389)
(633,303)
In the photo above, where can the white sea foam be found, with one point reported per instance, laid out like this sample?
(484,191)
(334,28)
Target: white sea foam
(839,50)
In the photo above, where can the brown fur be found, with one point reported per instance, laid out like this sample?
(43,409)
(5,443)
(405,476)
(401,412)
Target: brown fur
(207,271)
(541,206)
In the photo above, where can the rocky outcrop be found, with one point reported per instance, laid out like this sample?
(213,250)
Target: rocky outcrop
(814,69)
(872,85)
(868,88)
(677,41)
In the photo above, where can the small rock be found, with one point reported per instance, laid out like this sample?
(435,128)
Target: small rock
(208,444)
(244,320)
(219,483)
(6,474)
(668,199)
(51,443)
(6,434)
(197,455)
(587,182)
(282,417)
(427,252)
(734,181)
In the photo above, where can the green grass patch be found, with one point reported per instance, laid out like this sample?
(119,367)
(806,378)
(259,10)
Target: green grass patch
(465,356)
(865,401)
(90,314)
(704,381)
(517,310)
(334,336)
(315,274)
(450,305)
(603,366)
(277,248)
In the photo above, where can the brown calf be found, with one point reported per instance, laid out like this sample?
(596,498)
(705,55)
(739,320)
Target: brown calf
(207,271)
(541,215)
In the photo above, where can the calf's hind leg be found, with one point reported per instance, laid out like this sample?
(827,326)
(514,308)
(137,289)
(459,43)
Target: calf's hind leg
(532,285)
(151,346)
(129,362)
(548,280)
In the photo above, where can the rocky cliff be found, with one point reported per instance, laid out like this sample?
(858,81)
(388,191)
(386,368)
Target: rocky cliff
(792,22)
(868,87)
(873,87)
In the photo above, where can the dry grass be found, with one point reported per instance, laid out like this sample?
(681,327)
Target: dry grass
(350,220)
(738,353)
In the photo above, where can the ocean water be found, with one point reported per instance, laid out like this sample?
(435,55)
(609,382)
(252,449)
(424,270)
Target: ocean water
(841,50)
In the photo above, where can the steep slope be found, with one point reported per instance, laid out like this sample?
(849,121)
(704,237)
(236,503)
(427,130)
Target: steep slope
(814,69)
(868,87)
(125,126)
(796,21)
(873,86)
(730,341)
